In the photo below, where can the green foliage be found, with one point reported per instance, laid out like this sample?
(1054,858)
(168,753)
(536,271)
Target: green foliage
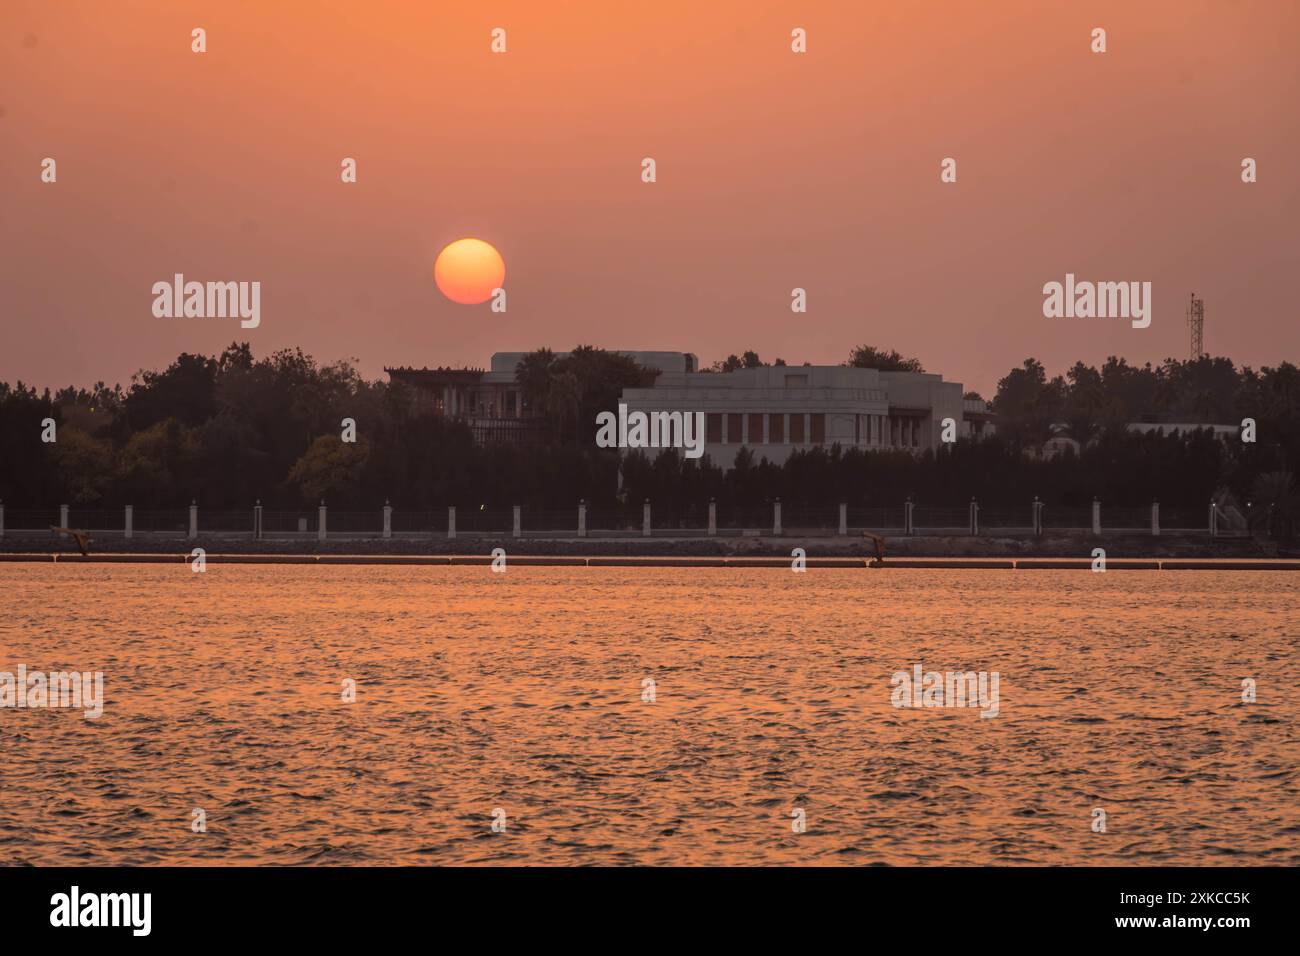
(1027,403)
(329,466)
(157,466)
(868,356)
(749,359)
(28,467)
(185,391)
(85,463)
(570,390)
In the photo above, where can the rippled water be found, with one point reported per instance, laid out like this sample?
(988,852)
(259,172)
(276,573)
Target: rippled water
(523,691)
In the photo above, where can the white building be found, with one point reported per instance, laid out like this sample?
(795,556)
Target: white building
(775,409)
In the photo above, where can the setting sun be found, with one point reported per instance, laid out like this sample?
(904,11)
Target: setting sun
(468,270)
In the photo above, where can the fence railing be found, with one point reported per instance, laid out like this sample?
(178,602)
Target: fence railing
(774,518)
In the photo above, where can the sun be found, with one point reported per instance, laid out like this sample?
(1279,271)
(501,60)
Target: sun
(468,270)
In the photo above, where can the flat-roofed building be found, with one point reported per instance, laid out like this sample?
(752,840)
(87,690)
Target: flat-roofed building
(774,410)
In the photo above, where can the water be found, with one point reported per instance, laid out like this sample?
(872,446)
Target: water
(523,691)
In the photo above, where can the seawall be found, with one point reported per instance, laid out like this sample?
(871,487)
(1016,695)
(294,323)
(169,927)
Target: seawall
(1065,546)
(674,561)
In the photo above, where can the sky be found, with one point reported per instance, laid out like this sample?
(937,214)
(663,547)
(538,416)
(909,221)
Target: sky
(775,170)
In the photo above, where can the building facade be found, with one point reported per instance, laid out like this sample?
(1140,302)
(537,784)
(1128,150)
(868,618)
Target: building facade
(776,409)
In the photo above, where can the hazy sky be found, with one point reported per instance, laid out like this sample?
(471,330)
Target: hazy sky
(775,170)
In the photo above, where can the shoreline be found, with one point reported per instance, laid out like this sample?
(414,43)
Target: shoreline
(1070,547)
(669,561)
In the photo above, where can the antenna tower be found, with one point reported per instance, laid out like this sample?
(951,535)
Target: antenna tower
(1196,320)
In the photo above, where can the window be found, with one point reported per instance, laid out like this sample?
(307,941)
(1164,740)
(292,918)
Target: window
(796,381)
(818,429)
(734,436)
(796,429)
(755,428)
(713,429)
(776,429)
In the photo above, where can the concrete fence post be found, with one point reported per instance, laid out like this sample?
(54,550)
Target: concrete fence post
(388,520)
(128,521)
(194,519)
(1155,519)
(974,517)
(320,521)
(1214,520)
(713,517)
(844,518)
(1096,516)
(776,517)
(645,519)
(907,516)
(257,520)
(582,517)
(63,516)
(518,523)
(451,522)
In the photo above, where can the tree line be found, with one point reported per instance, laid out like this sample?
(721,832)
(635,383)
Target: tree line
(230,429)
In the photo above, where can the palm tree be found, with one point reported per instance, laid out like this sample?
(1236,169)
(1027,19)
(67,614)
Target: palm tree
(562,400)
(533,373)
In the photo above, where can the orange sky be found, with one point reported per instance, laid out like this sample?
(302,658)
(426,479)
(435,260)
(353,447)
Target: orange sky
(775,170)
